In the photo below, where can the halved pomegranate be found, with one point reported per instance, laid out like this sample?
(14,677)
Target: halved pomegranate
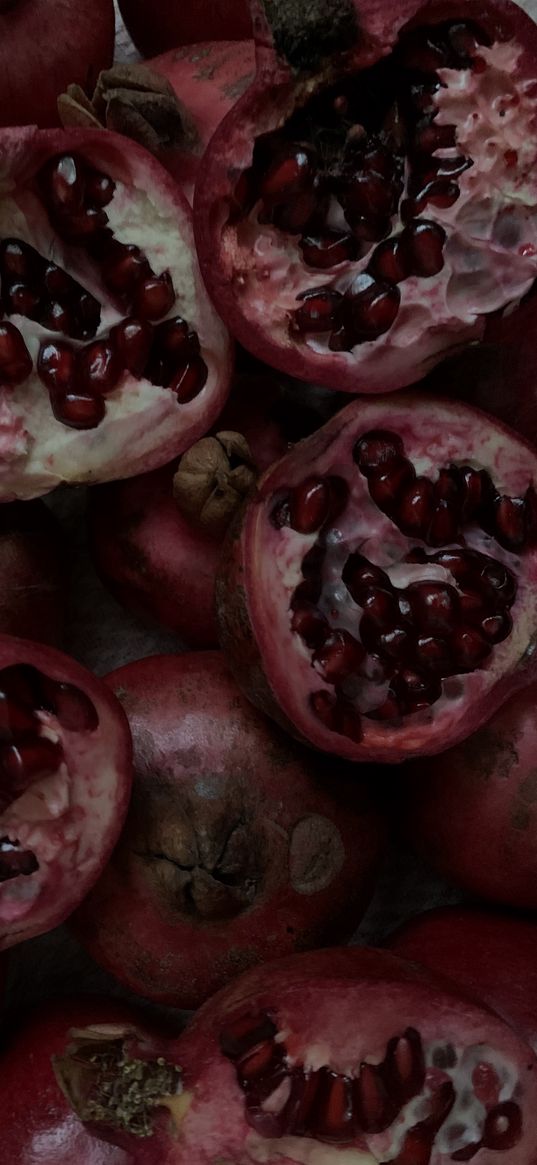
(492,955)
(237,848)
(370,202)
(379,596)
(111,357)
(65,777)
(348,1056)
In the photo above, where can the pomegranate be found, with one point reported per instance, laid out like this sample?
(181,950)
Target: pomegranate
(38,1125)
(32,592)
(65,776)
(163,24)
(234,850)
(378,597)
(473,815)
(43,45)
(490,955)
(157,538)
(343,1055)
(369,204)
(99,374)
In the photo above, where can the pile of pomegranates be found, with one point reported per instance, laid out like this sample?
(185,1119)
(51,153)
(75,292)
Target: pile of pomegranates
(317,668)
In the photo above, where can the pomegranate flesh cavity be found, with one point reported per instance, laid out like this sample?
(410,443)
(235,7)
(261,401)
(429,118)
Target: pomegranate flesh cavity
(490,955)
(357,226)
(65,775)
(32,591)
(111,358)
(234,850)
(473,814)
(348,1055)
(378,598)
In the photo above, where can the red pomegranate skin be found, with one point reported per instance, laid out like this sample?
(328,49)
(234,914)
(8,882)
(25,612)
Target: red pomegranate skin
(32,584)
(280,87)
(492,956)
(165,24)
(473,815)
(61,814)
(44,48)
(38,1124)
(156,561)
(238,846)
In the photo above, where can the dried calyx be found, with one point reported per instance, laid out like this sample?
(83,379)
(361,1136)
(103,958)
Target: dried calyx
(133,100)
(212,480)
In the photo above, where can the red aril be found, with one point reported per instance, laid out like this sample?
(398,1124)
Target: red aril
(32,587)
(65,776)
(491,955)
(43,47)
(392,528)
(165,24)
(80,399)
(236,848)
(384,126)
(350,1055)
(473,815)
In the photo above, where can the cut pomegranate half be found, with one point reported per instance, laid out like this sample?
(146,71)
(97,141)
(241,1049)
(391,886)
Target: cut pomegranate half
(361,219)
(65,778)
(379,598)
(335,1056)
(111,357)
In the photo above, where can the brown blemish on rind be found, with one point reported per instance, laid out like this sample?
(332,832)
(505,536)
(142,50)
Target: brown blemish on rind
(306,35)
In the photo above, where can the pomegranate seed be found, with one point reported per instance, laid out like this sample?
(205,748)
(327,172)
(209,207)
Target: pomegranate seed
(374,1109)
(380,608)
(371,307)
(154,297)
(124,267)
(310,624)
(175,342)
(63,181)
(302,1103)
(389,710)
(313,561)
(339,657)
(17,260)
(309,505)
(15,718)
(74,710)
(317,312)
(348,721)
(15,359)
(333,1116)
(385,488)
(473,607)
(15,862)
(377,450)
(435,607)
(497,628)
(444,525)
(296,215)
(414,691)
(78,410)
(510,522)
(99,367)
(465,41)
(430,137)
(100,188)
(28,761)
(23,682)
(257,1062)
(56,317)
(87,317)
(424,245)
(415,508)
(469,648)
(82,227)
(323,706)
(20,299)
(389,261)
(329,250)
(369,195)
(57,282)
(360,576)
(503,1127)
(433,655)
(189,381)
(369,228)
(245,1033)
(56,365)
(498,580)
(396,644)
(132,340)
(423,51)
(308,591)
(291,172)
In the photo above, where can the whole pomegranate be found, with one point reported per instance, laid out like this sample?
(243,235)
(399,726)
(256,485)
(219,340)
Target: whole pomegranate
(236,847)
(473,813)
(156,25)
(335,1056)
(38,1124)
(369,205)
(44,44)
(100,376)
(65,777)
(32,591)
(489,954)
(378,595)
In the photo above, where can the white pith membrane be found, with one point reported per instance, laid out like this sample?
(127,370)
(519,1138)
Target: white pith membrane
(490,254)
(434,437)
(341,1027)
(144,425)
(68,820)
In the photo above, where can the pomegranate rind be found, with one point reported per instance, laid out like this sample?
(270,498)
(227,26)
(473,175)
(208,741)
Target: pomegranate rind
(489,954)
(32,583)
(144,426)
(217,760)
(254,589)
(72,820)
(167,24)
(336,1007)
(238,274)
